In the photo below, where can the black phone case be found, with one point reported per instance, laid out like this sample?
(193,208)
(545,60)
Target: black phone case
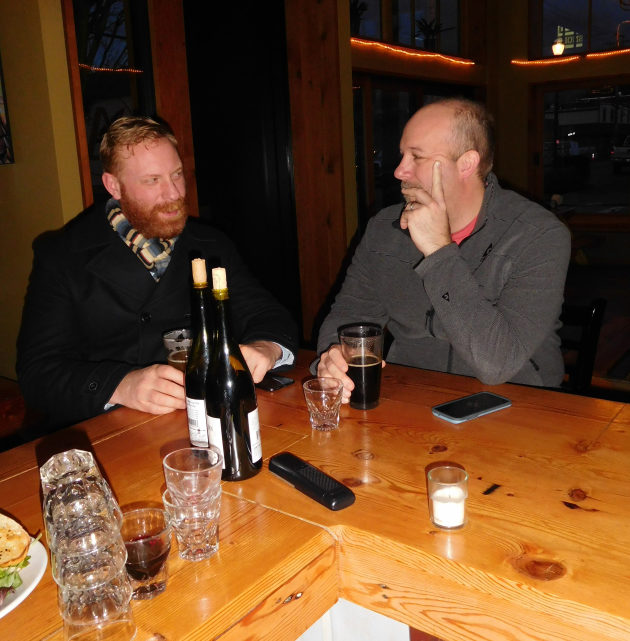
(273,382)
(311,481)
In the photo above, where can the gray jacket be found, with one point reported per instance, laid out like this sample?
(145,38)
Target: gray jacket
(489,308)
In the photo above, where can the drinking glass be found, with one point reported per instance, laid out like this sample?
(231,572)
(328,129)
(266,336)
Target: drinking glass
(178,343)
(362,349)
(99,610)
(196,525)
(147,536)
(323,398)
(193,474)
(73,488)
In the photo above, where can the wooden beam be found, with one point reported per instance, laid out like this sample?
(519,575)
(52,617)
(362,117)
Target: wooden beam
(316,117)
(77,102)
(170,77)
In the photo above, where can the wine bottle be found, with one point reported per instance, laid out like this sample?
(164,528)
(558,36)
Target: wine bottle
(199,358)
(232,410)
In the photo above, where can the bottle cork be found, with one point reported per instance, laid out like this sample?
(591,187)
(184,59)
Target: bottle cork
(199,274)
(219,279)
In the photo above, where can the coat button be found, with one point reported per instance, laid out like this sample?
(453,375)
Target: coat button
(145,318)
(93,386)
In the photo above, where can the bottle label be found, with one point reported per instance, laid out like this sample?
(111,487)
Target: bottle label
(213,429)
(254,435)
(197,430)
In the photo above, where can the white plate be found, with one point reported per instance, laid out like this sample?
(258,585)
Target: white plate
(30,575)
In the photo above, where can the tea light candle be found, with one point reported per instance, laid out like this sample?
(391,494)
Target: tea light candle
(449,506)
(448,490)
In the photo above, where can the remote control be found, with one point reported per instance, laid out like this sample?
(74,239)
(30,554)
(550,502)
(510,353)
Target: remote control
(311,481)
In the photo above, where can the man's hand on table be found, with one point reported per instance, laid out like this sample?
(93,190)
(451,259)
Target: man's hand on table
(260,357)
(157,389)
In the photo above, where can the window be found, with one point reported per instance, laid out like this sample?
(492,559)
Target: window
(382,107)
(113,56)
(585,25)
(431,25)
(586,158)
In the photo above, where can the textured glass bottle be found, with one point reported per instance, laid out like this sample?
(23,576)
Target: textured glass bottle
(231,407)
(199,358)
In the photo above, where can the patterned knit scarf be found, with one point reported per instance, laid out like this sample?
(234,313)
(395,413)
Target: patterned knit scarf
(153,253)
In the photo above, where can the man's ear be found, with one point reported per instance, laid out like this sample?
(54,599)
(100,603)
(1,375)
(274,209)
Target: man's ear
(111,184)
(468,163)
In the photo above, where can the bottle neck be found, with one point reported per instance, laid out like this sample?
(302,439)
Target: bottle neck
(222,315)
(199,310)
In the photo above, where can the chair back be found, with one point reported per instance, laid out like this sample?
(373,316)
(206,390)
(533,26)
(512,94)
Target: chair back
(579,335)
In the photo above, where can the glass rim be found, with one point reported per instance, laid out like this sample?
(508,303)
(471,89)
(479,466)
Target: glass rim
(165,515)
(210,448)
(323,378)
(361,330)
(461,470)
(186,506)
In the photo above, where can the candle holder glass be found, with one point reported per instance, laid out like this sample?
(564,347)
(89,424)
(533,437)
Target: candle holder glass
(448,490)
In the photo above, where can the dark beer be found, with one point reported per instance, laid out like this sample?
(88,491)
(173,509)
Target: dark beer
(365,372)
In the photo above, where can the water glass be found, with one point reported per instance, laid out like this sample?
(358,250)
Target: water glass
(98,611)
(74,489)
(323,399)
(90,566)
(88,555)
(196,526)
(193,474)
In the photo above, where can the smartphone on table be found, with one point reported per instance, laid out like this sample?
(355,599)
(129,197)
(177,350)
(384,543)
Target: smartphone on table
(469,407)
(274,382)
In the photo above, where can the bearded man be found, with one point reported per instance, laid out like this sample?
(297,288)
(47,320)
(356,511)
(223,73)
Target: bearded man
(106,286)
(468,278)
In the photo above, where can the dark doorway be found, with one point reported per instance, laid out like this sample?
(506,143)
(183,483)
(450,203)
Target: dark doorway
(237,72)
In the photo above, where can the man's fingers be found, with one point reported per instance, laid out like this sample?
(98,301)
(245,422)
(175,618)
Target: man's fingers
(437,191)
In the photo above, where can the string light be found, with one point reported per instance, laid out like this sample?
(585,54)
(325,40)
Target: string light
(548,61)
(410,53)
(604,54)
(109,69)
(564,59)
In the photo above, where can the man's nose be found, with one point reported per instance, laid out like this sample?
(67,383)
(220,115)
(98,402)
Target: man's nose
(403,171)
(174,189)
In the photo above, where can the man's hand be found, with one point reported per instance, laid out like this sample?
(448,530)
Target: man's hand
(157,389)
(260,357)
(332,363)
(425,215)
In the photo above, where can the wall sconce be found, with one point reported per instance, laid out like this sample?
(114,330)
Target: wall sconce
(558,47)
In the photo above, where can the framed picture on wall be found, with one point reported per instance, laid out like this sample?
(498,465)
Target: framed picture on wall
(6,149)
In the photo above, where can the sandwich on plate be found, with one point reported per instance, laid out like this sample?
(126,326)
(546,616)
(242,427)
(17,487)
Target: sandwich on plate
(14,544)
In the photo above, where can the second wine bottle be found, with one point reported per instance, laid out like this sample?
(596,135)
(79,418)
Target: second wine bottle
(231,406)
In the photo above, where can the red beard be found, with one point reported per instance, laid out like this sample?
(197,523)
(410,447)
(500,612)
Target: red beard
(149,222)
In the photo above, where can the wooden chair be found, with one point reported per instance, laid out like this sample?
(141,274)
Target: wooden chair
(579,336)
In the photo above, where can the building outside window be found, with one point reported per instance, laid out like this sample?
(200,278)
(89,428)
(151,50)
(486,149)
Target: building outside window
(587,148)
(585,25)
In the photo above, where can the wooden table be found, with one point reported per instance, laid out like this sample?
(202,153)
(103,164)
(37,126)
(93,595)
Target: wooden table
(545,554)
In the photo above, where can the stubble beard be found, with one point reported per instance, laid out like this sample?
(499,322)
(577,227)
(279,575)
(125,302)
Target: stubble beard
(409,185)
(148,221)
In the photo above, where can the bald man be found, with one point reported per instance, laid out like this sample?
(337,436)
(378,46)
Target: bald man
(468,278)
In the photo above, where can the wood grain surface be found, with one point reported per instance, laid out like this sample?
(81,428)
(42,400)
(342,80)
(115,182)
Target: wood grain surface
(544,555)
